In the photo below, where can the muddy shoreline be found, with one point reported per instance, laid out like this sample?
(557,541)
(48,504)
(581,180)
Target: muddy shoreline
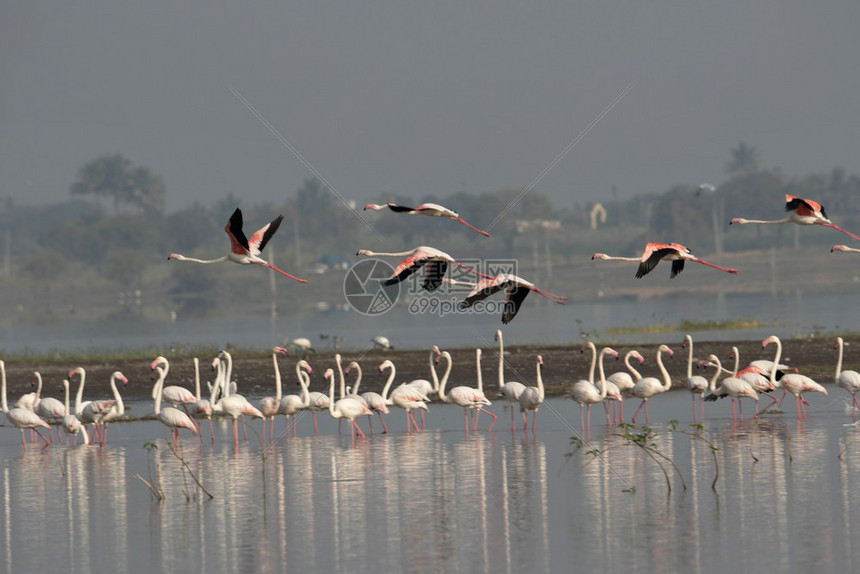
(563,364)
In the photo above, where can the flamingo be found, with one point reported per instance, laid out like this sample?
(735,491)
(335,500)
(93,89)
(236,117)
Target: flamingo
(383,343)
(516,290)
(202,408)
(71,424)
(467,397)
(585,393)
(435,265)
(171,417)
(292,404)
(269,406)
(733,387)
(48,408)
(424,387)
(532,398)
(90,412)
(343,391)
(20,418)
(794,383)
(656,252)
(317,402)
(173,394)
(244,251)
(624,380)
(116,410)
(431,209)
(303,344)
(374,401)
(848,380)
(510,390)
(345,408)
(649,386)
(802,212)
(843,248)
(231,404)
(696,384)
(407,397)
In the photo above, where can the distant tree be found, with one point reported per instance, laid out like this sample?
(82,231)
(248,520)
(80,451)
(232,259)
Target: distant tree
(112,177)
(744,160)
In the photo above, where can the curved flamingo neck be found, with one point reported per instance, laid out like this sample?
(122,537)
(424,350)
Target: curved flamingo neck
(593,362)
(3,384)
(38,376)
(337,360)
(539,378)
(478,366)
(776,359)
(603,389)
(331,403)
(120,406)
(278,383)
(737,361)
(304,383)
(66,393)
(197,378)
(433,374)
(689,340)
(79,396)
(839,343)
(157,391)
(444,382)
(391,375)
(667,380)
(357,377)
(713,384)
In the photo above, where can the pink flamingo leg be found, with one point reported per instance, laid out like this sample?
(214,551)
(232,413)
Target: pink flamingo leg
(382,421)
(284,273)
(644,403)
(840,229)
(726,269)
(357,429)
(235,432)
(314,417)
(484,233)
(588,418)
(693,398)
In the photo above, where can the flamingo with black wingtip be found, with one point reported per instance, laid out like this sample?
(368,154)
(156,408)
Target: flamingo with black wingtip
(244,250)
(431,209)
(656,252)
(802,212)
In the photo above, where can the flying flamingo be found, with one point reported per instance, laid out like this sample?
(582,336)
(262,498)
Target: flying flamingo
(171,417)
(585,393)
(696,384)
(802,212)
(848,380)
(269,405)
(656,252)
(71,424)
(406,397)
(435,265)
(173,394)
(19,417)
(532,398)
(291,405)
(843,248)
(516,290)
(649,386)
(730,386)
(794,383)
(245,251)
(346,408)
(510,390)
(432,209)
(467,397)
(625,380)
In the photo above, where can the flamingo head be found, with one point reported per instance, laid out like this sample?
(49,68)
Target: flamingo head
(838,248)
(738,220)
(305,365)
(540,360)
(120,377)
(158,361)
(279,350)
(364,252)
(73,372)
(498,334)
(768,341)
(637,355)
(666,349)
(329,373)
(386,364)
(837,342)
(602,256)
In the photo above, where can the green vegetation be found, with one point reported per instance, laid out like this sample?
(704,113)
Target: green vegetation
(687,325)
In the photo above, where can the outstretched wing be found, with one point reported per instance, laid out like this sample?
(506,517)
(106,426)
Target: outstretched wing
(648,265)
(482,290)
(406,268)
(259,240)
(434,271)
(792,203)
(238,242)
(677,267)
(399,208)
(516,296)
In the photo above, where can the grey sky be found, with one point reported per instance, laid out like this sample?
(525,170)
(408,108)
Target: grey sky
(423,97)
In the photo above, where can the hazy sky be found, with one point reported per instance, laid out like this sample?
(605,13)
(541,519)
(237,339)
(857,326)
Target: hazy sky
(423,97)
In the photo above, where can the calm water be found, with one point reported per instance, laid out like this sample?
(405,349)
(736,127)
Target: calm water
(438,501)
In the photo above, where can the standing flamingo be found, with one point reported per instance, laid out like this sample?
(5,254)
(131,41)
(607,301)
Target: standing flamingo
(202,408)
(291,405)
(48,408)
(20,418)
(802,212)
(173,394)
(434,262)
(345,408)
(374,401)
(844,248)
(116,410)
(532,398)
(624,380)
(424,387)
(510,390)
(90,412)
(411,397)
(848,380)
(467,397)
(585,393)
(656,252)
(71,424)
(230,403)
(244,251)
(431,209)
(794,383)
(649,386)
(171,417)
(733,386)
(696,384)
(269,406)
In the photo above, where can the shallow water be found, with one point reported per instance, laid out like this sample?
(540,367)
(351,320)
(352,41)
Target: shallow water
(439,501)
